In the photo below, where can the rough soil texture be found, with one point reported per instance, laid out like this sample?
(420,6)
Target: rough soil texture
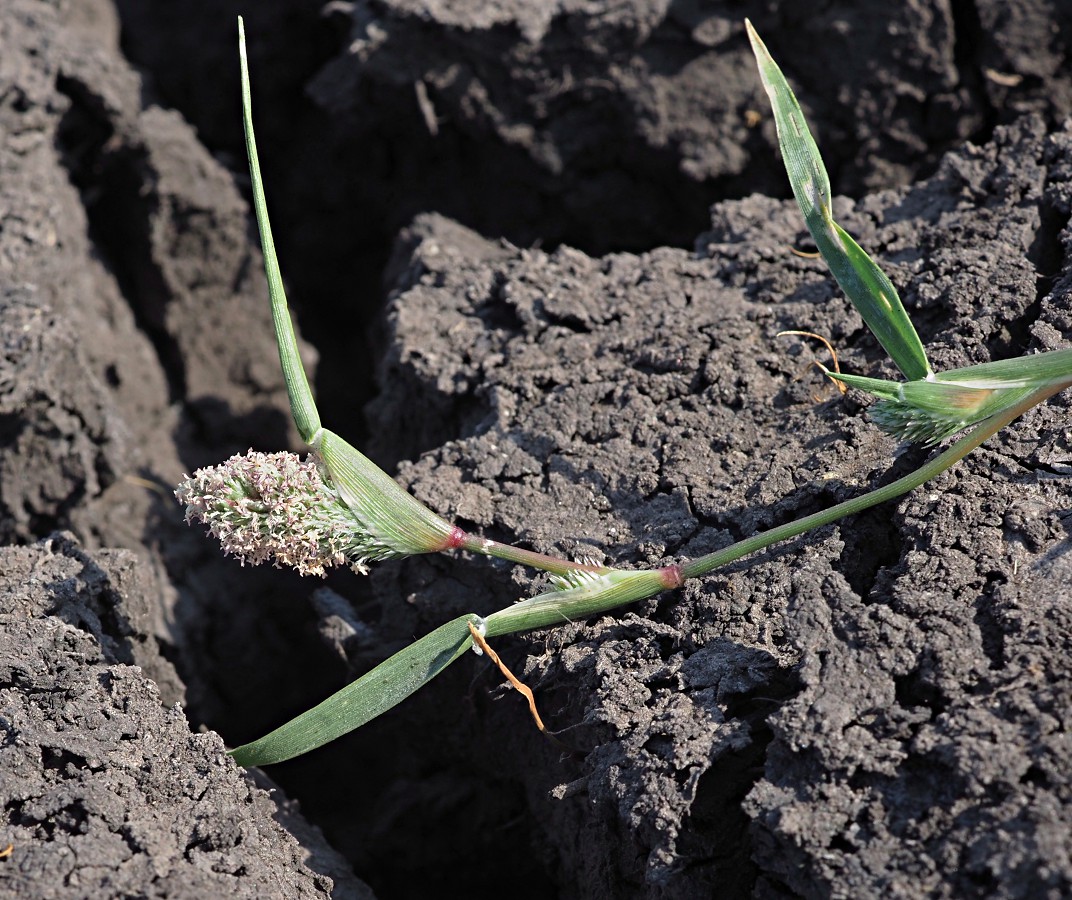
(605,126)
(107,792)
(125,267)
(878,709)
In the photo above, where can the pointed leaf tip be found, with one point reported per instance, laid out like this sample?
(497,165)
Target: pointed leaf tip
(302,406)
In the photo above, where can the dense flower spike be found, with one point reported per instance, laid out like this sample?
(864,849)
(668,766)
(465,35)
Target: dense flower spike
(277,507)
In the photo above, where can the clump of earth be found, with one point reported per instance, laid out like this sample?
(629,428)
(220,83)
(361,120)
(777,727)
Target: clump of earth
(540,256)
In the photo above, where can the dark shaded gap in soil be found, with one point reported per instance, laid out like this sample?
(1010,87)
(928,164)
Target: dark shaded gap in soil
(872,538)
(968,37)
(914,690)
(109,183)
(872,543)
(988,621)
(288,43)
(717,816)
(410,818)
(11,426)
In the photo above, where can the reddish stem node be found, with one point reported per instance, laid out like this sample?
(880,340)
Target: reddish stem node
(455,539)
(671,577)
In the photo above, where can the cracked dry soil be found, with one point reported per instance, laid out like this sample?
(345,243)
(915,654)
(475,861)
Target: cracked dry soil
(879,709)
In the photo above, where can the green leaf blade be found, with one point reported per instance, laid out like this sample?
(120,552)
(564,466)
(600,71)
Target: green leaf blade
(803,163)
(863,282)
(877,301)
(884,390)
(1035,369)
(375,692)
(302,406)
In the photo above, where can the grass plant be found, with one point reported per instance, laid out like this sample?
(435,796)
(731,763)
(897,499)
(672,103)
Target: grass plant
(343,509)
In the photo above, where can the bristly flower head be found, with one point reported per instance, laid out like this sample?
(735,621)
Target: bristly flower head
(926,427)
(929,410)
(277,507)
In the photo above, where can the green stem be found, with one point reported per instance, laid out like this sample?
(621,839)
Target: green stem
(618,588)
(553,564)
(986,429)
(627,587)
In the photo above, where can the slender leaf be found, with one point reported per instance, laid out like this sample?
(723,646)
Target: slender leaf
(401,523)
(302,405)
(879,387)
(362,700)
(863,282)
(1034,369)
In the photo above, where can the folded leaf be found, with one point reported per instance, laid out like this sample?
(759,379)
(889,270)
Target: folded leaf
(390,515)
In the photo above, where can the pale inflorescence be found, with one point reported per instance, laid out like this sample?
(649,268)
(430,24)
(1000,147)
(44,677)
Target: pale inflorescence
(277,507)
